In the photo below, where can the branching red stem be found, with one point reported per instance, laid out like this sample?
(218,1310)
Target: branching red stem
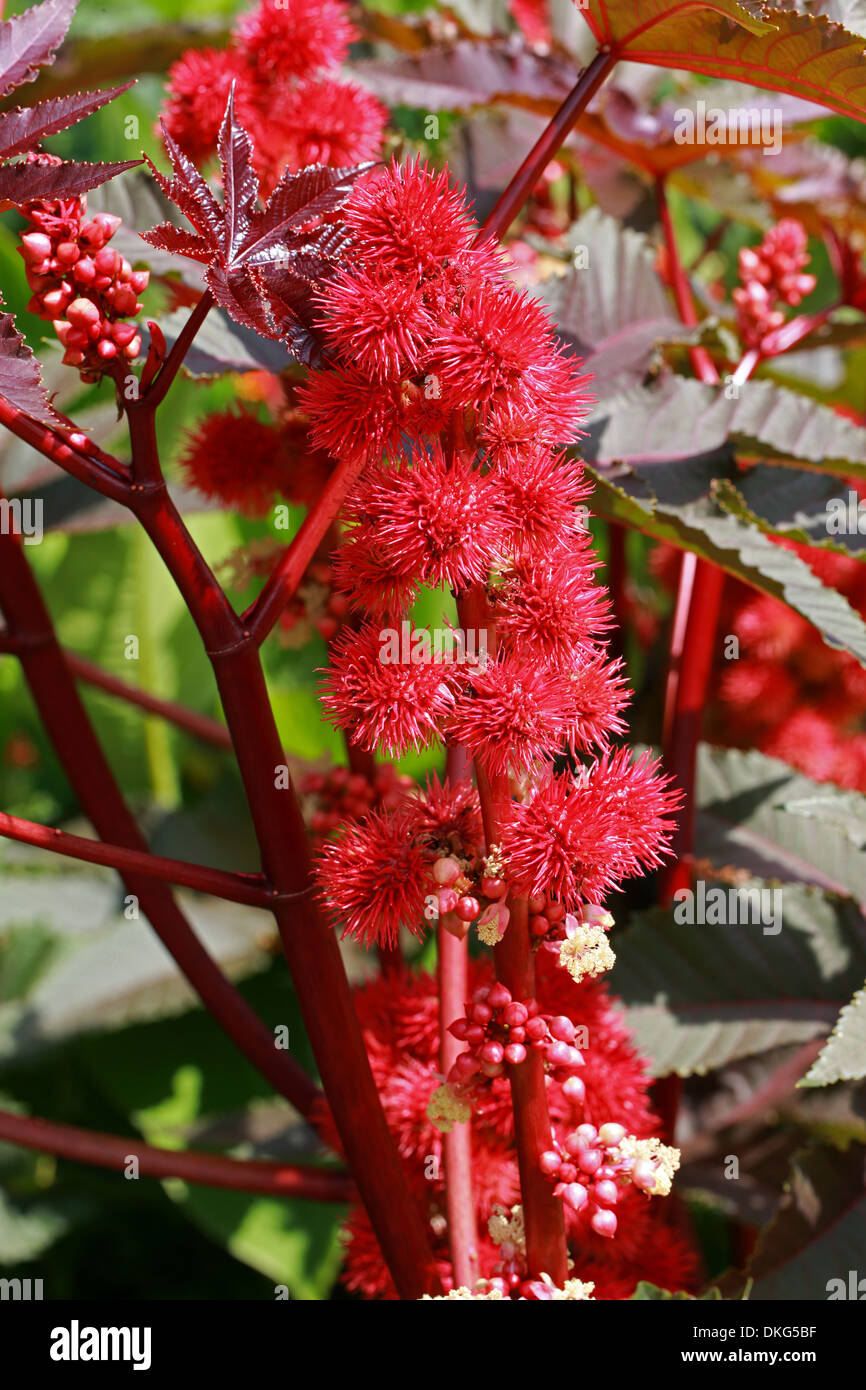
(249,889)
(544,149)
(308,940)
(212,1170)
(67,725)
(546,1250)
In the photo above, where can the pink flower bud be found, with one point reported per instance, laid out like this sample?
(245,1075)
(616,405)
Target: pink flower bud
(83,313)
(604,1223)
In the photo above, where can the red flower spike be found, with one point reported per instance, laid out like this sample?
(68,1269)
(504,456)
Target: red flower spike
(295,37)
(380,698)
(374,879)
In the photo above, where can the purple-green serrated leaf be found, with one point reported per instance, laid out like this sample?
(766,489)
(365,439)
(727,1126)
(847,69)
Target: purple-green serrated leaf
(22,183)
(20,377)
(240,185)
(190,192)
(25,126)
(29,41)
(168,237)
(298,201)
(239,293)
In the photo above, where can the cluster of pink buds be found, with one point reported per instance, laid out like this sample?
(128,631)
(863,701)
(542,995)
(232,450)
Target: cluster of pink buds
(592,1165)
(770,273)
(340,795)
(460,901)
(81,284)
(499,1029)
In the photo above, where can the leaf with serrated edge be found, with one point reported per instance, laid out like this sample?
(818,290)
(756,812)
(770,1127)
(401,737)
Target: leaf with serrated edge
(700,996)
(747,815)
(23,127)
(843,1057)
(28,41)
(804,55)
(20,377)
(21,183)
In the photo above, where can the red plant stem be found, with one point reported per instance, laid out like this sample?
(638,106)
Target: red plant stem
(85,764)
(200,726)
(453,972)
(309,942)
(695,620)
(89,471)
(212,1170)
(515,195)
(249,889)
(264,613)
(158,388)
(546,1250)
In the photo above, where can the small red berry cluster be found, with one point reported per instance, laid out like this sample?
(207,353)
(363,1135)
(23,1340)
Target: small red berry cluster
(498,1029)
(340,795)
(547,919)
(81,284)
(770,273)
(458,897)
(587,1168)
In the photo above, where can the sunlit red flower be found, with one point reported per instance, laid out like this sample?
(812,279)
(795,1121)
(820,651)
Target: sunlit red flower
(198,88)
(582,835)
(380,698)
(373,878)
(238,459)
(296,36)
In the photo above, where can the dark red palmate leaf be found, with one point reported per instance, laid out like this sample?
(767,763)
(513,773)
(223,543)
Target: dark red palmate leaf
(263,263)
(22,128)
(23,183)
(20,376)
(28,41)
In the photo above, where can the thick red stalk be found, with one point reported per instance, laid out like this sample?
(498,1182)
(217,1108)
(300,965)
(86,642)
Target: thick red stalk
(92,472)
(264,613)
(85,764)
(249,889)
(453,975)
(544,149)
(212,1170)
(546,1250)
(309,941)
(695,619)
(158,388)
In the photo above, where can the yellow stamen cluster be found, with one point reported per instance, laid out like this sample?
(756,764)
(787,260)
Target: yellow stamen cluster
(494,863)
(665,1159)
(446,1109)
(507,1228)
(586,951)
(492,931)
(461,1293)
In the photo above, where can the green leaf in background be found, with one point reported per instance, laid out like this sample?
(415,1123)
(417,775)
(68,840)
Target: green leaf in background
(844,1056)
(671,503)
(650,1293)
(818,1236)
(750,814)
(699,996)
